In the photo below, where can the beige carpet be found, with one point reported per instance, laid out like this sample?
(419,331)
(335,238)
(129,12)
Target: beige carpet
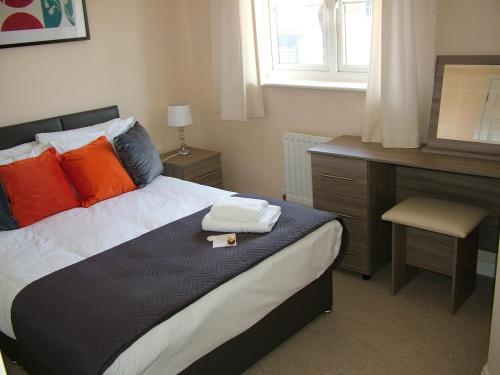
(370,332)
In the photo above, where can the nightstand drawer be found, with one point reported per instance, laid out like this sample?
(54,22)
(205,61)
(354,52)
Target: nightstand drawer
(204,170)
(200,166)
(210,179)
(340,175)
(342,205)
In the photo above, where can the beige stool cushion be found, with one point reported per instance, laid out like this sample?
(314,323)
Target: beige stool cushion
(435,215)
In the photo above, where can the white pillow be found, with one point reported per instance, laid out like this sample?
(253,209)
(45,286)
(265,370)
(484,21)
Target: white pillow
(72,142)
(34,150)
(68,140)
(115,128)
(17,150)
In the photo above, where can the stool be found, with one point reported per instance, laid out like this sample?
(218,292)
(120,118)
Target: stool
(444,237)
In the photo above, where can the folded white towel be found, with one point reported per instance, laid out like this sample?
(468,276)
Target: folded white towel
(239,209)
(265,224)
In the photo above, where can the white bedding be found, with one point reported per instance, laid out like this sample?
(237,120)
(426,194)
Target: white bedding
(33,252)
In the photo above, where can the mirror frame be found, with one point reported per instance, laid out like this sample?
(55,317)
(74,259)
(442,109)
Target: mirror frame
(450,146)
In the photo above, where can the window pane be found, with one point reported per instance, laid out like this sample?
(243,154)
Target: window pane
(358,23)
(300,34)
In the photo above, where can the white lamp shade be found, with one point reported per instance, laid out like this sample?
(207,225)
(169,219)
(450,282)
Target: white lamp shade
(179,115)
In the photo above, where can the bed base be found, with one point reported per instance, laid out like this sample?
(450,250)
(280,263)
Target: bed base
(239,353)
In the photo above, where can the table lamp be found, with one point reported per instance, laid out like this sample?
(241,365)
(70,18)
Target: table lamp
(179,116)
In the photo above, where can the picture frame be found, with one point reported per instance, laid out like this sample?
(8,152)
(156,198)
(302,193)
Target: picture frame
(34,22)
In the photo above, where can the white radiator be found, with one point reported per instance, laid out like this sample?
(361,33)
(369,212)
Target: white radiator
(298,177)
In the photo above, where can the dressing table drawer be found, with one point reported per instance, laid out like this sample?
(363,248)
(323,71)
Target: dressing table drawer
(355,261)
(357,257)
(342,205)
(354,213)
(340,175)
(360,189)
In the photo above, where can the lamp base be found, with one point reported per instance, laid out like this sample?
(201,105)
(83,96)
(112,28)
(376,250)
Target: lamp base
(183,152)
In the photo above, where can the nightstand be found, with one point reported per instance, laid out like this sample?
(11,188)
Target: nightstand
(200,166)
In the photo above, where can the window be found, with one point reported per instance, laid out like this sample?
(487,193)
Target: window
(319,40)
(298,34)
(354,34)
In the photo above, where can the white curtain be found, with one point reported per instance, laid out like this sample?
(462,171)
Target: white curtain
(237,83)
(400,82)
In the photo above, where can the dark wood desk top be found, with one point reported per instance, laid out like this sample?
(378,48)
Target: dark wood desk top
(352,147)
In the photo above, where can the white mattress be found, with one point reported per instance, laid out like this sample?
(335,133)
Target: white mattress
(61,240)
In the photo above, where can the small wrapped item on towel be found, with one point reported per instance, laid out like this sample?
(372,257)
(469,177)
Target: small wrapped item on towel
(223,240)
(239,209)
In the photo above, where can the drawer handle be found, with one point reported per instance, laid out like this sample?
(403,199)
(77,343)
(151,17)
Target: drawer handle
(206,176)
(335,177)
(349,252)
(346,216)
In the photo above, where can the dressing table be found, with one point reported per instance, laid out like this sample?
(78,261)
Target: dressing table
(360,181)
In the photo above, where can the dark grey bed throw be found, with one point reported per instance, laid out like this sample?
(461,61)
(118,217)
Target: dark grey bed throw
(79,319)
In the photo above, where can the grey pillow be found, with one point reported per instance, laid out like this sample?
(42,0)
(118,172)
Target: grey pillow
(138,155)
(7,222)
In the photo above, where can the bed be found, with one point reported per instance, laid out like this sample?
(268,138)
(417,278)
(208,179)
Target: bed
(224,331)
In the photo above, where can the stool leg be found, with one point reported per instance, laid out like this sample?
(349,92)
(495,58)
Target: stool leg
(401,272)
(464,270)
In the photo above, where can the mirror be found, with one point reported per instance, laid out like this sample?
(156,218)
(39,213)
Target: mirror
(470,103)
(466,106)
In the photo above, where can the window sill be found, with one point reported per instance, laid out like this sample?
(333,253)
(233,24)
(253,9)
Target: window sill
(318,85)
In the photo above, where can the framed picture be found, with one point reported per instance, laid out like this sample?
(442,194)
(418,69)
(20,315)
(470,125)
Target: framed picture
(30,22)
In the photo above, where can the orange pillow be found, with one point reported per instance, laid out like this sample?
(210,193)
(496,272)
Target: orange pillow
(37,188)
(95,172)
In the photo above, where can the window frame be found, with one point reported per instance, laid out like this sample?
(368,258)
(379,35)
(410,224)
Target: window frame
(325,67)
(340,36)
(333,69)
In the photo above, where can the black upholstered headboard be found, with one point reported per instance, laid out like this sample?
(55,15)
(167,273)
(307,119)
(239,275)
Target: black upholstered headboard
(14,135)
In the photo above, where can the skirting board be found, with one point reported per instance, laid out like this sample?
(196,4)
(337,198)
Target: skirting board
(486,262)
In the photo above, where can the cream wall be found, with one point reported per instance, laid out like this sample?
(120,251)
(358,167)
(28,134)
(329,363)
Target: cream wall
(133,59)
(467,27)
